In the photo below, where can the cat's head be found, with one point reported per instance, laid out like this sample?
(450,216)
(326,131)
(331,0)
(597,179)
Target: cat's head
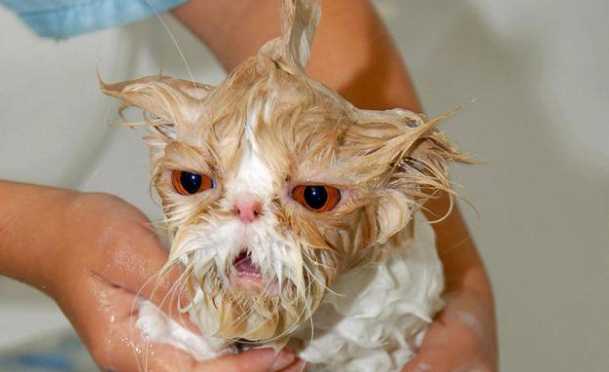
(273,185)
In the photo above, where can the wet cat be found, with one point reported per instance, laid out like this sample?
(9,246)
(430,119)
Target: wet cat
(294,213)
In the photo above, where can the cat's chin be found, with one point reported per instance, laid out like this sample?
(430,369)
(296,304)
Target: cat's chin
(248,283)
(248,302)
(252,307)
(253,284)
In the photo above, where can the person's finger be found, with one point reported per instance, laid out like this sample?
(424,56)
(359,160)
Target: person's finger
(107,325)
(128,254)
(146,356)
(259,360)
(439,350)
(299,366)
(454,341)
(437,361)
(137,354)
(436,352)
(149,357)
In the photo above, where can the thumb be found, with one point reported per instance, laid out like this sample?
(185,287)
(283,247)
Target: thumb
(134,259)
(259,360)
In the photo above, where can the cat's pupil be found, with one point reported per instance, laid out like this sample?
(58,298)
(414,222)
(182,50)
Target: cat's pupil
(315,196)
(191,182)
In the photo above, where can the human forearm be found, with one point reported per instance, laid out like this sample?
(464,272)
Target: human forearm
(352,52)
(462,263)
(31,222)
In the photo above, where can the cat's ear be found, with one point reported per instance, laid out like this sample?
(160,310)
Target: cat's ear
(169,106)
(404,158)
(299,19)
(167,103)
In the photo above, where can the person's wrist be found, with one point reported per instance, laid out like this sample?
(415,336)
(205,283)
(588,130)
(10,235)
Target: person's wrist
(33,219)
(53,249)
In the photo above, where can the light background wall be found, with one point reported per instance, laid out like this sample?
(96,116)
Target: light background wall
(532,77)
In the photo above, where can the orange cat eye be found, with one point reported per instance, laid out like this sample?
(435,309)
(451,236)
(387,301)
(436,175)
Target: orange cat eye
(318,198)
(188,183)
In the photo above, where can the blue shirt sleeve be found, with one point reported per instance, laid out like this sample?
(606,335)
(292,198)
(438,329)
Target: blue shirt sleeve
(65,18)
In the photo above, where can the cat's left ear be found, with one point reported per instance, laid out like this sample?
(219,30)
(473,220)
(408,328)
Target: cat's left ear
(299,19)
(166,101)
(404,158)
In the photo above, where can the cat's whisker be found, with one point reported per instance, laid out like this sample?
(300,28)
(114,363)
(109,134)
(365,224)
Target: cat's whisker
(173,39)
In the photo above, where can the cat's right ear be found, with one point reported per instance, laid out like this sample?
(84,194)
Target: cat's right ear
(170,106)
(168,101)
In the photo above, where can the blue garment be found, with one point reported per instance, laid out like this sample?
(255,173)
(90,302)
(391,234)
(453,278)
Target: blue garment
(66,18)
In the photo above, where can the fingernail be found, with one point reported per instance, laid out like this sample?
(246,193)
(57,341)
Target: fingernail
(283,360)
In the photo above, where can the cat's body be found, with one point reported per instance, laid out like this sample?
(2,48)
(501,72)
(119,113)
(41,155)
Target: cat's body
(285,201)
(373,320)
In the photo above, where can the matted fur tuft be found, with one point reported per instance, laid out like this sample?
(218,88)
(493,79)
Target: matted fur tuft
(292,49)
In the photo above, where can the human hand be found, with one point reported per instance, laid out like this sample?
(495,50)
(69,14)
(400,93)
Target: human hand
(109,256)
(461,338)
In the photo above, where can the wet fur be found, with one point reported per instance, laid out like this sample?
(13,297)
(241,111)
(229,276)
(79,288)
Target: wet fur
(269,114)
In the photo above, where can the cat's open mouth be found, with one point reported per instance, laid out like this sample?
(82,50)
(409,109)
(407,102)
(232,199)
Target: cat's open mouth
(244,265)
(246,273)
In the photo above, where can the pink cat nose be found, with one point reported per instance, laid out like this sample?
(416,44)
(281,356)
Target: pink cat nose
(248,210)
